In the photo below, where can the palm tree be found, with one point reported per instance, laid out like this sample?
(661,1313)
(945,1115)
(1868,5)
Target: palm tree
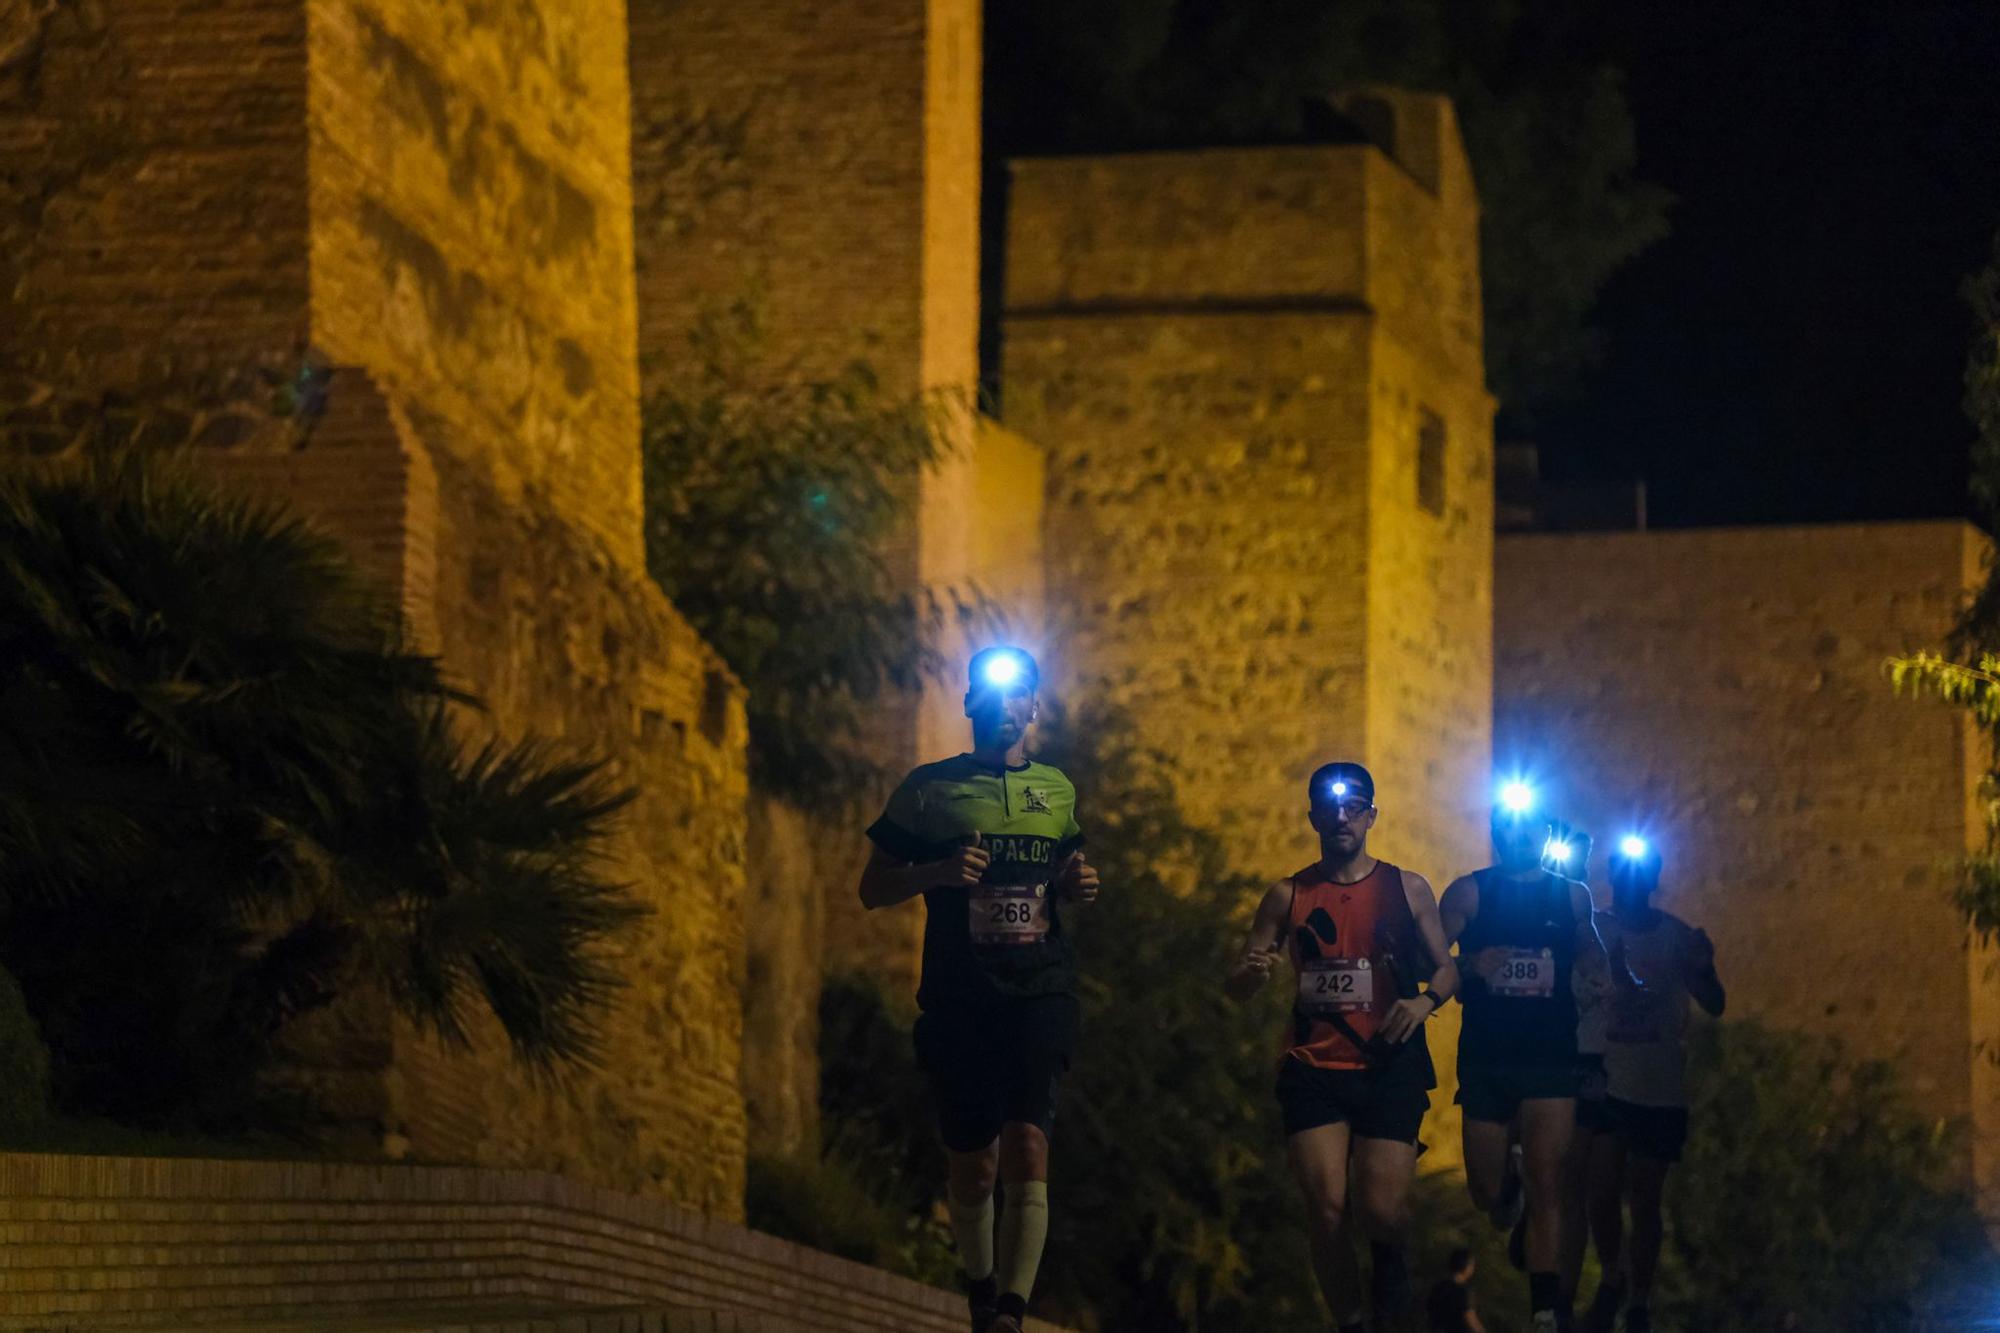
(228,793)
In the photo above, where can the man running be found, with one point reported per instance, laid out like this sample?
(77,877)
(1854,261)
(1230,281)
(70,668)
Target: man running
(1355,1078)
(1658,961)
(991,841)
(1521,932)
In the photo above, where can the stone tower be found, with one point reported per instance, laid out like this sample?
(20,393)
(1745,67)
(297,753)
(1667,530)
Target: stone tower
(1259,377)
(434,200)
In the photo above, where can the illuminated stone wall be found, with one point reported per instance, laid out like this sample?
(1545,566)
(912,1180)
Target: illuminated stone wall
(1725,690)
(1227,354)
(437,198)
(133,139)
(472,236)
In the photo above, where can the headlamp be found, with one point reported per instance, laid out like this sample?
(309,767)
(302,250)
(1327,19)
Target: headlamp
(1555,849)
(1002,670)
(1517,797)
(1338,789)
(1633,847)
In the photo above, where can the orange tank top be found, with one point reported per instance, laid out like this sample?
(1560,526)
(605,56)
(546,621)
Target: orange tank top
(1355,951)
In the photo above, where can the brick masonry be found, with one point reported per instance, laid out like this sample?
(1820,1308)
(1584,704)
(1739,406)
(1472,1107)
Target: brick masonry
(1725,691)
(102,1242)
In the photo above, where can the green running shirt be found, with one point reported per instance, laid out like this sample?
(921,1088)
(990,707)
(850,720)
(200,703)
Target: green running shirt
(1003,939)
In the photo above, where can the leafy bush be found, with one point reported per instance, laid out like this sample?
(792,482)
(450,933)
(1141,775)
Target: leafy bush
(226,795)
(771,512)
(24,1065)
(1812,1189)
(833,1204)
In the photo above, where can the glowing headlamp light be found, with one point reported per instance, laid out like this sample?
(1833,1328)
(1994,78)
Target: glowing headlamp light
(1633,847)
(1338,789)
(1517,798)
(1555,849)
(1003,670)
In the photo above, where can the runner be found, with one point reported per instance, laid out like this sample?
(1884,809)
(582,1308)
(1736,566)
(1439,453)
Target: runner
(1521,932)
(1355,1077)
(991,841)
(1568,854)
(1657,962)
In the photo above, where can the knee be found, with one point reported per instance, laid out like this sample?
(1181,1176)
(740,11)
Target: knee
(1024,1151)
(973,1174)
(1644,1197)
(1326,1212)
(1544,1179)
(1382,1212)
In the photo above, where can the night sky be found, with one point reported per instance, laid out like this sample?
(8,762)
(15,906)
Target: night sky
(1794,350)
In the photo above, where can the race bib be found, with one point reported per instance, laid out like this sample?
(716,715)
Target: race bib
(1525,974)
(1008,913)
(1335,985)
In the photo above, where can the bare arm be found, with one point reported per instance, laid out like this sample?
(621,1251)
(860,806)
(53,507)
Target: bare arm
(1264,946)
(1407,1016)
(885,881)
(1458,907)
(1702,982)
(1457,910)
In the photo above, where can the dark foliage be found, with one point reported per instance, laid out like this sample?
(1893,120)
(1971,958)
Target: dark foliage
(226,795)
(1851,1194)
(771,513)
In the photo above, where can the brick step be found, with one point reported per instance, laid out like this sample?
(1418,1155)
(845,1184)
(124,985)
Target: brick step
(529,1319)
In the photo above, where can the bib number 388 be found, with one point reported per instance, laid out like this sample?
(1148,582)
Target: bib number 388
(1008,913)
(1335,985)
(1525,973)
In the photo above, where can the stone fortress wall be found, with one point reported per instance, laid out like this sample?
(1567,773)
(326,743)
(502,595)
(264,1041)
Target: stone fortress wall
(1243,490)
(433,199)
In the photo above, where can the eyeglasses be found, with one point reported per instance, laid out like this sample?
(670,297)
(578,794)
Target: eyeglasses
(1351,810)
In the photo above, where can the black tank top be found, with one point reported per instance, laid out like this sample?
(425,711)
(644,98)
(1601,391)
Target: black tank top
(1527,1013)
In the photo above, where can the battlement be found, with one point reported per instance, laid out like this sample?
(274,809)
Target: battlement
(1329,228)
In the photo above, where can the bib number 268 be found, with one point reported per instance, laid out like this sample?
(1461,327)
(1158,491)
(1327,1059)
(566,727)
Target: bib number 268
(1008,913)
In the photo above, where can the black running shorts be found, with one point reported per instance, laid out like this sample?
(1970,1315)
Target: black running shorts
(1496,1094)
(1593,1095)
(997,1064)
(1384,1103)
(1658,1133)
